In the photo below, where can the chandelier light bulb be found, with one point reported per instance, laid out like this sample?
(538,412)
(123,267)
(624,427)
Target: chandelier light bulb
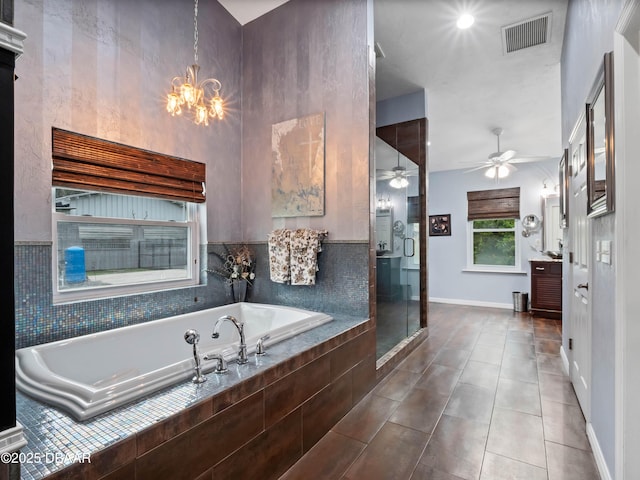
(189,95)
(202,116)
(217,107)
(173,104)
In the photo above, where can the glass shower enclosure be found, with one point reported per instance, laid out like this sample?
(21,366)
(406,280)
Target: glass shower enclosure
(397,240)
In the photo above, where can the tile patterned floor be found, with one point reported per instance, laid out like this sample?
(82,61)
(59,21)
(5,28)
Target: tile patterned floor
(483,397)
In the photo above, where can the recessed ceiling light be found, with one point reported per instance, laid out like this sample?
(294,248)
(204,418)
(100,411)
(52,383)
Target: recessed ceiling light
(465,21)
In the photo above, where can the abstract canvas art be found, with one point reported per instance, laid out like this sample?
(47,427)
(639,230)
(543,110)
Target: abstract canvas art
(297,168)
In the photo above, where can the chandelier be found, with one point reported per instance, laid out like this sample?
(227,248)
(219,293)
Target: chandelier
(203,97)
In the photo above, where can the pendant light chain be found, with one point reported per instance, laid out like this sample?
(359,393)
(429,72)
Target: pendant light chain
(195,32)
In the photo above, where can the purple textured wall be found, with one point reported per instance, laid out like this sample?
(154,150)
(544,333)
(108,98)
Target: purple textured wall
(102,69)
(307,57)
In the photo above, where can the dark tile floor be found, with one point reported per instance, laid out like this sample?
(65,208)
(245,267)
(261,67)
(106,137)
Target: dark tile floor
(483,397)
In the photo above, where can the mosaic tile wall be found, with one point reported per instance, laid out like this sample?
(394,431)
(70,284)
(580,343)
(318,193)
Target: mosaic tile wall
(341,286)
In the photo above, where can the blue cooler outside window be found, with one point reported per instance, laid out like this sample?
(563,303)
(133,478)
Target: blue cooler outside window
(75,270)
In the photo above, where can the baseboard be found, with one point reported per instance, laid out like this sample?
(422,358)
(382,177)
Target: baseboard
(597,454)
(565,360)
(471,303)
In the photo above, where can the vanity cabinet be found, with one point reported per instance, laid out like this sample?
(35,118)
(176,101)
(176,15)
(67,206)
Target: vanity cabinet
(546,288)
(388,278)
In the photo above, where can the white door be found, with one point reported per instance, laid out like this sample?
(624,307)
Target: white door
(579,233)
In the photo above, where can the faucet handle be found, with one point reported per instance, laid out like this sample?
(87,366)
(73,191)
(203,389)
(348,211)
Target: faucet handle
(221,366)
(260,345)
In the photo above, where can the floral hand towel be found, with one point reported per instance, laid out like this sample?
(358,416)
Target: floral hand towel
(305,245)
(280,255)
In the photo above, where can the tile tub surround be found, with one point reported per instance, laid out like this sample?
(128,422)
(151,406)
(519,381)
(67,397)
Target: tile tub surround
(271,411)
(342,286)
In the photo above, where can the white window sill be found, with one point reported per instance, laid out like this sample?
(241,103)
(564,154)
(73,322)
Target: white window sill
(493,270)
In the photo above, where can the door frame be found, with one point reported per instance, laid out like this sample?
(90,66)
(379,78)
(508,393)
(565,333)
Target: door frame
(627,229)
(578,133)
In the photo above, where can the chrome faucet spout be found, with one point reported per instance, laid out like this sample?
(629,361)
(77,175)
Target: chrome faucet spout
(242,351)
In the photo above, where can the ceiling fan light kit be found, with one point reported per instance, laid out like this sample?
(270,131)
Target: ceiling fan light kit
(398,182)
(499,171)
(499,164)
(398,175)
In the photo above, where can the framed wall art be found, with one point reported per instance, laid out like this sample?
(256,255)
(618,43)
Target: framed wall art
(439,225)
(297,167)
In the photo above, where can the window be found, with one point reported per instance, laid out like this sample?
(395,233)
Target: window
(110,244)
(494,243)
(492,220)
(124,220)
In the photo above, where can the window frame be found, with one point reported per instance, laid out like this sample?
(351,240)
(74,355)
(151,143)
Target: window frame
(192,223)
(471,266)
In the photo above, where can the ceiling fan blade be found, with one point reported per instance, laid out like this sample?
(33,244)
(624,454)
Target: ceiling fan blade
(384,176)
(507,155)
(479,167)
(529,158)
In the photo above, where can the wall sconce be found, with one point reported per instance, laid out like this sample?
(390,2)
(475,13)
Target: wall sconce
(546,191)
(383,204)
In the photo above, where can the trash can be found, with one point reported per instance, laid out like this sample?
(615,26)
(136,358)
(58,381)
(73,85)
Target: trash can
(74,271)
(520,302)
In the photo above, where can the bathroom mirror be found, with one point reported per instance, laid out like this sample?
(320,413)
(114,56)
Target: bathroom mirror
(384,229)
(563,173)
(600,142)
(552,233)
(530,224)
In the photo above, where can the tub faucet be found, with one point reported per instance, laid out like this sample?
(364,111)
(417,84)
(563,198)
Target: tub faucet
(242,352)
(192,337)
(260,345)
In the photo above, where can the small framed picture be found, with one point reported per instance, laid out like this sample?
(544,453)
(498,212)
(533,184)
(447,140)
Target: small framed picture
(439,225)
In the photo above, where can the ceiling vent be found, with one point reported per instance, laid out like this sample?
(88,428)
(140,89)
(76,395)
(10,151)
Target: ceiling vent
(527,33)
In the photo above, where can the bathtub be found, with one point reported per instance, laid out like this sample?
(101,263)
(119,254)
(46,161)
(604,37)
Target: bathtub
(95,373)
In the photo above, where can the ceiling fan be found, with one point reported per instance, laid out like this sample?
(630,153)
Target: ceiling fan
(499,164)
(397,176)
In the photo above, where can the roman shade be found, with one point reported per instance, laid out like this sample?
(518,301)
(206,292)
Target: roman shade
(413,209)
(493,204)
(89,163)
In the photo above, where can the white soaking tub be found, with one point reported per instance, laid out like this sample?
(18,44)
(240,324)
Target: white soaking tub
(95,373)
